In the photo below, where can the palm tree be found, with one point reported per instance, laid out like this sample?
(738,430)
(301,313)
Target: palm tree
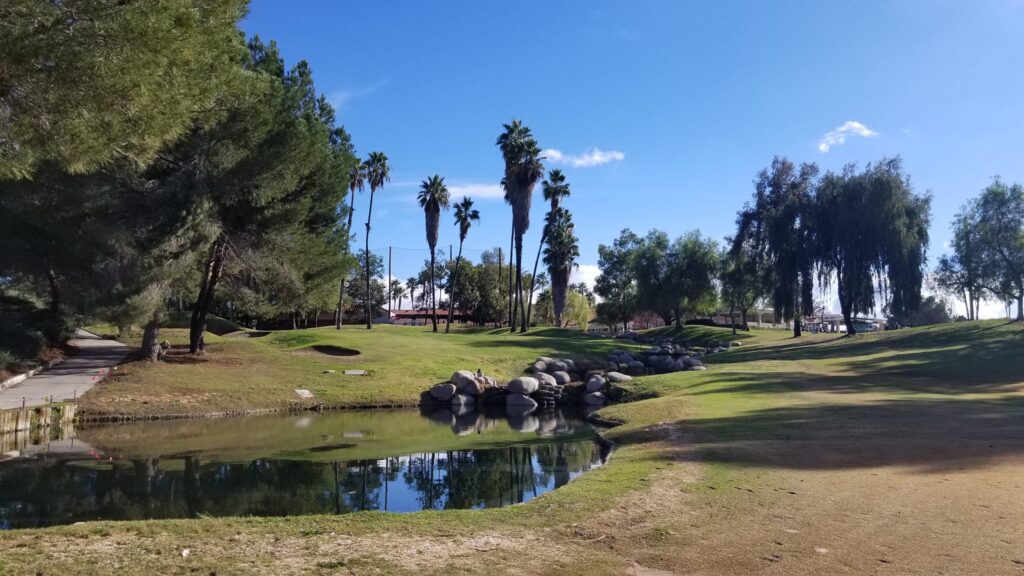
(560,257)
(555,188)
(523,168)
(397,292)
(356,181)
(433,198)
(377,171)
(411,282)
(465,215)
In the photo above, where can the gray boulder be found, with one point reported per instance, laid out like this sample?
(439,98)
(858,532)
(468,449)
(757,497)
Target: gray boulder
(557,366)
(698,368)
(617,377)
(562,377)
(595,383)
(539,366)
(524,385)
(473,387)
(461,400)
(463,377)
(543,378)
(520,400)
(545,359)
(637,368)
(442,392)
(593,399)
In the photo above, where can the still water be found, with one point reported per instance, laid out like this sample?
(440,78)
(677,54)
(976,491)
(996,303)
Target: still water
(279,465)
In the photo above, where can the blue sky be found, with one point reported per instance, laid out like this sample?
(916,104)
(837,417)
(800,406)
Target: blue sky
(663,112)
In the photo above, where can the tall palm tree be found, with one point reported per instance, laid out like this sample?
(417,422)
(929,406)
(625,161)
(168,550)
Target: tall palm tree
(511,253)
(560,257)
(555,188)
(465,215)
(377,171)
(433,198)
(411,282)
(397,292)
(523,168)
(356,182)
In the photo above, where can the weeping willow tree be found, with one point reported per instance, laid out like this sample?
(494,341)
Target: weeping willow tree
(871,238)
(778,219)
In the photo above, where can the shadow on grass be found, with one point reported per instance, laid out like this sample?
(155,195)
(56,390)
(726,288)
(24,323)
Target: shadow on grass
(933,435)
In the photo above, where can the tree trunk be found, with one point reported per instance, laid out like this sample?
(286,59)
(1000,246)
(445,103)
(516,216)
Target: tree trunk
(533,279)
(433,292)
(732,317)
(340,312)
(200,310)
(455,289)
(56,296)
(519,283)
(150,346)
(1020,307)
(511,272)
(369,300)
(743,318)
(797,328)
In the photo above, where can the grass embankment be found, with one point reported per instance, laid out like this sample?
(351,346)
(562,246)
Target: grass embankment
(245,373)
(893,453)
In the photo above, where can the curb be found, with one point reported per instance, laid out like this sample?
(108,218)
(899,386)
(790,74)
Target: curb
(15,380)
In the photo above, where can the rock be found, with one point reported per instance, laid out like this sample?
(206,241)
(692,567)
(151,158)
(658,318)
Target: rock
(328,371)
(442,392)
(691,362)
(557,366)
(463,400)
(637,368)
(562,377)
(617,377)
(463,377)
(539,367)
(735,343)
(545,359)
(569,363)
(593,398)
(698,368)
(520,400)
(611,366)
(524,385)
(543,378)
(473,387)
(595,383)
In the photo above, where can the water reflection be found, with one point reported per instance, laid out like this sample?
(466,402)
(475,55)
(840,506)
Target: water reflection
(398,461)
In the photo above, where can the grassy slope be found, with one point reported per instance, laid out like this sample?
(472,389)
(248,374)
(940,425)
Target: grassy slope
(819,389)
(262,373)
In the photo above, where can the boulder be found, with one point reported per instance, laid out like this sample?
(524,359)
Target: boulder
(520,400)
(524,385)
(473,387)
(562,377)
(698,368)
(557,366)
(617,377)
(637,368)
(461,378)
(569,363)
(545,359)
(462,400)
(539,366)
(442,392)
(595,383)
(543,378)
(593,399)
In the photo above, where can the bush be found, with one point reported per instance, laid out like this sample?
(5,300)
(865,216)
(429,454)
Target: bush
(25,330)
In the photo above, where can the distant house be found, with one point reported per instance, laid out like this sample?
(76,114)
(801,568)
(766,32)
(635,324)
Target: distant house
(422,317)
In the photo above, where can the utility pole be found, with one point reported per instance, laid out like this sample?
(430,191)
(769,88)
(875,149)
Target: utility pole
(390,283)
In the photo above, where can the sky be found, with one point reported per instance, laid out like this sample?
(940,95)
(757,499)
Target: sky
(659,113)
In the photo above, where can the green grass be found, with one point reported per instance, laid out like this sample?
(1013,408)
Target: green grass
(775,404)
(248,374)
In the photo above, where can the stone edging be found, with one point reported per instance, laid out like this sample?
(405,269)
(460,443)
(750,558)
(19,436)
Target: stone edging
(15,380)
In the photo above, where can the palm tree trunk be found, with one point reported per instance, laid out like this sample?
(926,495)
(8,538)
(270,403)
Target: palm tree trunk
(369,300)
(339,319)
(433,292)
(519,282)
(511,301)
(533,279)
(455,289)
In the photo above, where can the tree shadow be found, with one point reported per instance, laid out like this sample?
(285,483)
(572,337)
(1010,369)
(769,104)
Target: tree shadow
(930,435)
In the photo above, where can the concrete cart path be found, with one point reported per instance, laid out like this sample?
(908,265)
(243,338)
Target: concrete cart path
(76,375)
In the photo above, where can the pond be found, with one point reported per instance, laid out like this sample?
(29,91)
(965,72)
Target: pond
(280,465)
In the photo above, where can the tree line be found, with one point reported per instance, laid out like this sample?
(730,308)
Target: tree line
(864,232)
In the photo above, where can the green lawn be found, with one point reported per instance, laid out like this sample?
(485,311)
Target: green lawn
(707,456)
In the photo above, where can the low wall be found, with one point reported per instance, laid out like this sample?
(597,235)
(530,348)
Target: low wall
(24,421)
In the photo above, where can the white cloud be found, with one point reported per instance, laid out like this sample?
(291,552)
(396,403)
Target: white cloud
(592,157)
(586,273)
(838,136)
(476,191)
(339,98)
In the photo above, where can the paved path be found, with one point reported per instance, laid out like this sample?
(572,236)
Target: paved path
(73,376)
